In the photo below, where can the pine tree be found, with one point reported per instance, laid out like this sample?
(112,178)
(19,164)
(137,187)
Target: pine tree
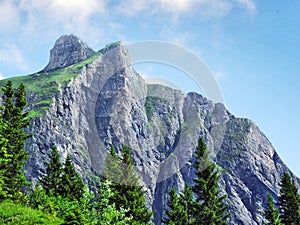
(112,168)
(52,180)
(211,208)
(72,184)
(271,213)
(127,192)
(186,199)
(289,201)
(181,208)
(106,210)
(175,211)
(15,121)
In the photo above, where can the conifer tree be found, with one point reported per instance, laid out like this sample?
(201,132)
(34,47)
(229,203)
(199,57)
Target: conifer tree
(289,201)
(112,168)
(211,208)
(52,180)
(181,208)
(127,192)
(15,121)
(271,213)
(175,212)
(186,199)
(72,184)
(106,210)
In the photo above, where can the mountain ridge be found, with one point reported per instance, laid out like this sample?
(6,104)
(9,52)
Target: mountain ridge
(86,107)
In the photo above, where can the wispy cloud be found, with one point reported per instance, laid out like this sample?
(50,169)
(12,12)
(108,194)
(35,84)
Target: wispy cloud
(9,16)
(248,4)
(66,13)
(205,8)
(11,55)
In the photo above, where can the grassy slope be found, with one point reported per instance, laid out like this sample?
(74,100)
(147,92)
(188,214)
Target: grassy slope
(12,213)
(45,85)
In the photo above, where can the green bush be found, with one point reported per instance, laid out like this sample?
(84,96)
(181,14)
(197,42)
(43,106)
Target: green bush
(12,213)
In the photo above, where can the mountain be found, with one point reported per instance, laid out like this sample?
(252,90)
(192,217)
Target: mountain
(84,101)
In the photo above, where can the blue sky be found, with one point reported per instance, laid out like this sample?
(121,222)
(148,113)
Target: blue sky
(252,48)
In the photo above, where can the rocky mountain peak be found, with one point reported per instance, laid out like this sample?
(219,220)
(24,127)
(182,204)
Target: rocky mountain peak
(108,103)
(68,50)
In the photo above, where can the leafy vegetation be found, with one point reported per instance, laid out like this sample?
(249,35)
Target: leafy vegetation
(13,213)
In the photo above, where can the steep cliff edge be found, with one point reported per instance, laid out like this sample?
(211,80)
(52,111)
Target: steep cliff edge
(84,107)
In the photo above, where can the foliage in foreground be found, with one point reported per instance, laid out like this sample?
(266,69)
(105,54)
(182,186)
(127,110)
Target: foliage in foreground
(13,213)
(13,121)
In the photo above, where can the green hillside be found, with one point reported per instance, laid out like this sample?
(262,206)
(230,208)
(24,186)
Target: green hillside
(12,213)
(44,85)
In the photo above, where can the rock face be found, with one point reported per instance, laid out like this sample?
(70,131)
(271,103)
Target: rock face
(68,50)
(109,103)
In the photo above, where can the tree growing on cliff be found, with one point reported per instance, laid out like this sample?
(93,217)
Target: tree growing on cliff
(72,185)
(211,207)
(52,180)
(127,192)
(207,207)
(289,201)
(271,213)
(180,209)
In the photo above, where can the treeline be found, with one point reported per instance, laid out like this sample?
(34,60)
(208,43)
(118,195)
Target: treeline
(118,197)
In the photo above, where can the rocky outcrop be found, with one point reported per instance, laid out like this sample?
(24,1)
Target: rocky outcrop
(68,50)
(107,102)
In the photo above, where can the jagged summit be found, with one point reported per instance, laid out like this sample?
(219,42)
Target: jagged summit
(68,50)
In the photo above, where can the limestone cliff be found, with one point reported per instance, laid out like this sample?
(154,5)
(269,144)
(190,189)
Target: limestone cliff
(89,105)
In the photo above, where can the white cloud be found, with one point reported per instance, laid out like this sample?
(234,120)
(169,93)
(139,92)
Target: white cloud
(11,55)
(9,14)
(206,8)
(70,15)
(248,4)
(1,77)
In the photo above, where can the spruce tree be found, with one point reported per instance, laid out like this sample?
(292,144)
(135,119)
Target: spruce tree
(186,199)
(112,168)
(180,209)
(289,201)
(127,192)
(72,184)
(271,213)
(52,180)
(211,207)
(175,211)
(107,211)
(15,120)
